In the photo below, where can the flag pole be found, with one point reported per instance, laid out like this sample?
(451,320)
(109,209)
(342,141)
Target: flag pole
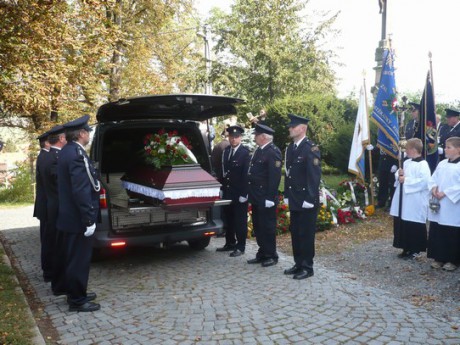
(434,97)
(431,73)
(371,180)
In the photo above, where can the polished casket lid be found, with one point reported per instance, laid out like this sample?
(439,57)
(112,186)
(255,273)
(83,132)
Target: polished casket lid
(183,184)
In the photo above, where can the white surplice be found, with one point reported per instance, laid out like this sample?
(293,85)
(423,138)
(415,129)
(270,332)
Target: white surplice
(416,192)
(447,178)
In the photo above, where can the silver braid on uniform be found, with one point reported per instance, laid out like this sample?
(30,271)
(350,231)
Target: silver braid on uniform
(415,128)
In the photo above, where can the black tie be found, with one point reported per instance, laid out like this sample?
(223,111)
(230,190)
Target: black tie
(231,154)
(295,146)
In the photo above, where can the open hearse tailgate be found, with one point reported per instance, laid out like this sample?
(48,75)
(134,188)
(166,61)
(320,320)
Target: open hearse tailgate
(175,106)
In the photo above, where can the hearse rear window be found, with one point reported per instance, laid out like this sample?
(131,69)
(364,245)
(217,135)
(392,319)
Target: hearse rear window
(122,148)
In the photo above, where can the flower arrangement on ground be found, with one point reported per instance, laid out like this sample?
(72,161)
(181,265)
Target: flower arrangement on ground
(348,204)
(167,149)
(325,220)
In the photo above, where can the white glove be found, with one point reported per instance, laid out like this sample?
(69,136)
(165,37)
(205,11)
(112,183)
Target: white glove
(369,147)
(440,150)
(286,201)
(90,230)
(394,168)
(269,203)
(242,199)
(307,205)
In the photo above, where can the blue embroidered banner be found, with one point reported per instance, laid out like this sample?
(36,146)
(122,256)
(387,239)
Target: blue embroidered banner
(384,113)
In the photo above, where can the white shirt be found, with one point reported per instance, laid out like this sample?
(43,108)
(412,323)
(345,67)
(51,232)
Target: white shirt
(416,192)
(447,178)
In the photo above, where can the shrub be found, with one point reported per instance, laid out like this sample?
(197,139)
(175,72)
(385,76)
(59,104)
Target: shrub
(21,188)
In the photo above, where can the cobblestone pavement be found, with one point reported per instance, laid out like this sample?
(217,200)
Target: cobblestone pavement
(181,296)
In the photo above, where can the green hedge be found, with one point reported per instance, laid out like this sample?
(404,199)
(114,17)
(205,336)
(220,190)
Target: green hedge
(21,189)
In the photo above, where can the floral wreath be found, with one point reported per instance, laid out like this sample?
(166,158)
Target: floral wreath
(167,149)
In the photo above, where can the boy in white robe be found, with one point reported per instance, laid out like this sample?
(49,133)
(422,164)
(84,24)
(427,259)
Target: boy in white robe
(410,233)
(444,234)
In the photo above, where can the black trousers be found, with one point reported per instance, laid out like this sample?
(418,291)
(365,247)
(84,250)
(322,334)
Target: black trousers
(42,233)
(78,259)
(264,222)
(58,283)
(48,248)
(237,224)
(303,229)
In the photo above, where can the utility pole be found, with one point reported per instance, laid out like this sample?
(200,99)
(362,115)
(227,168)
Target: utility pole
(383,44)
(207,57)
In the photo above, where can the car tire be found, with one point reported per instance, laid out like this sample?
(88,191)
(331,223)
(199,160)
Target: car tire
(200,243)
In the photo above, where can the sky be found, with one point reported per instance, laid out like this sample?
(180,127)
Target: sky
(416,27)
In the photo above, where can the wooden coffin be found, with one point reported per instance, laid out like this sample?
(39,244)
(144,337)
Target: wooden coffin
(179,185)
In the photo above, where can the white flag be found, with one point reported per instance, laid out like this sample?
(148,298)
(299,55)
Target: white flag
(356,164)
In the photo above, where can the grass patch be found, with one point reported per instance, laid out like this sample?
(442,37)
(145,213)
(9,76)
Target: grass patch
(13,204)
(332,181)
(15,323)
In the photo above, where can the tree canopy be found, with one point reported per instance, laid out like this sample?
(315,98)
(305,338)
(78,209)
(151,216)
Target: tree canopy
(68,57)
(268,49)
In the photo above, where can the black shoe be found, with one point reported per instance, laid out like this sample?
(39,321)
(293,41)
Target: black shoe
(226,248)
(255,261)
(86,307)
(403,254)
(269,262)
(411,256)
(90,296)
(236,253)
(303,274)
(47,279)
(293,270)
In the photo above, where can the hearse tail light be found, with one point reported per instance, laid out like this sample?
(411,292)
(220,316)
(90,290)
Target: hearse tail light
(118,244)
(211,233)
(102,198)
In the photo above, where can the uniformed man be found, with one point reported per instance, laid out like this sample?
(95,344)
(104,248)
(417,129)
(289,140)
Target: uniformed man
(301,192)
(386,174)
(441,128)
(78,189)
(235,164)
(412,125)
(452,130)
(40,210)
(216,155)
(264,176)
(52,243)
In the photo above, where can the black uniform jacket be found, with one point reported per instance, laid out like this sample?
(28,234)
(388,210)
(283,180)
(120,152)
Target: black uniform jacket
(449,133)
(50,182)
(235,173)
(40,206)
(264,175)
(79,201)
(411,129)
(303,174)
